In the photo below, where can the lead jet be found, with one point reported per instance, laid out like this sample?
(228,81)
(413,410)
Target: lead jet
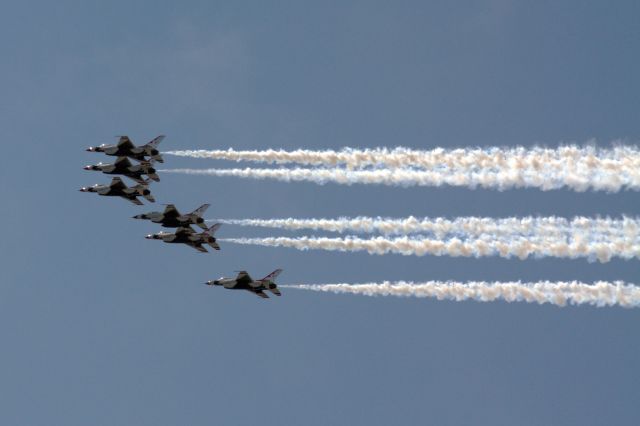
(188,236)
(126,148)
(171,217)
(123,166)
(117,188)
(244,282)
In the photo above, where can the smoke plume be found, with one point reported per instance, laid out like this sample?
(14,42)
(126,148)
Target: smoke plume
(599,294)
(612,178)
(488,245)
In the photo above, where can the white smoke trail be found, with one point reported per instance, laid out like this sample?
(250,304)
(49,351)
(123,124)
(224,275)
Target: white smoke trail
(571,158)
(600,294)
(610,179)
(590,229)
(519,247)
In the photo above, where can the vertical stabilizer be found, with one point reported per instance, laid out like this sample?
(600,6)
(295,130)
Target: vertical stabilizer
(151,149)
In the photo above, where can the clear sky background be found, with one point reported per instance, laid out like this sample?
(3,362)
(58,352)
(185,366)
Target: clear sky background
(100,326)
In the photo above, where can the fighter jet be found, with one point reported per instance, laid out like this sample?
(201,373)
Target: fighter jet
(123,166)
(117,188)
(244,282)
(188,236)
(171,218)
(125,148)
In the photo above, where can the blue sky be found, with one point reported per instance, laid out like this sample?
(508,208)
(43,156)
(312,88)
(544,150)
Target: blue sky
(99,325)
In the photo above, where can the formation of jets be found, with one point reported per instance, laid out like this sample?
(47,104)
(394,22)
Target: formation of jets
(170,217)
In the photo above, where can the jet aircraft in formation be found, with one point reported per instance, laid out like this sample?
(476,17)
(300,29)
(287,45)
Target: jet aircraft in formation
(126,148)
(171,217)
(123,166)
(244,282)
(117,188)
(186,235)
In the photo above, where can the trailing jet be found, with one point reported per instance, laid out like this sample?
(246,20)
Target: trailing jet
(171,218)
(125,148)
(244,282)
(188,236)
(123,166)
(117,188)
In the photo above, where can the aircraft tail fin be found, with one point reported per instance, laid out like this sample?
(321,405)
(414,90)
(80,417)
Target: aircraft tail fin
(212,230)
(155,142)
(272,276)
(200,210)
(151,148)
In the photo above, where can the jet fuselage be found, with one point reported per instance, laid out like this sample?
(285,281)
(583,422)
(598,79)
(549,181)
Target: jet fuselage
(138,153)
(135,172)
(171,222)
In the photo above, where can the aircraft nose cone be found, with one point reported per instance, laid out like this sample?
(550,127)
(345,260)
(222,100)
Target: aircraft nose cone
(89,149)
(149,237)
(87,167)
(83,189)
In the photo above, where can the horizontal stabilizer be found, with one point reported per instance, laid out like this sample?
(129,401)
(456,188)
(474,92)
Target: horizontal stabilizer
(275,291)
(261,294)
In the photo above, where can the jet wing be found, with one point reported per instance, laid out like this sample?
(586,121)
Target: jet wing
(243,278)
(184,231)
(171,211)
(215,246)
(260,293)
(122,162)
(125,143)
(117,183)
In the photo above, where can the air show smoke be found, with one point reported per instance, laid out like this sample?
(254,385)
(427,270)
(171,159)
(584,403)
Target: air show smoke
(564,158)
(574,167)
(509,247)
(599,294)
(612,178)
(590,229)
